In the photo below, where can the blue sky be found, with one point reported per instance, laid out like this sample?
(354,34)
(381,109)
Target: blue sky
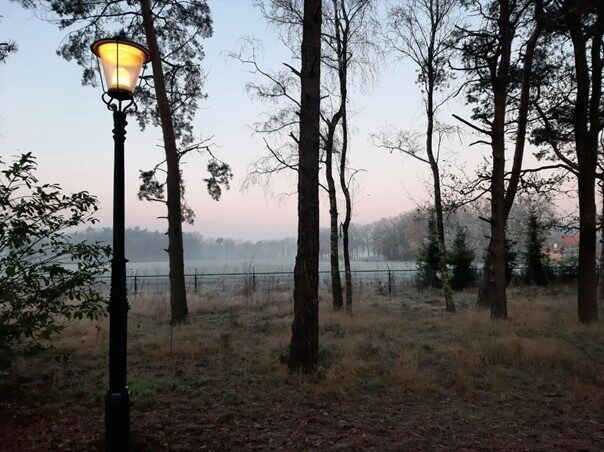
(46,110)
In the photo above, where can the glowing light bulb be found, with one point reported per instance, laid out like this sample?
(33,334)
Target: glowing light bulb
(122,61)
(120,79)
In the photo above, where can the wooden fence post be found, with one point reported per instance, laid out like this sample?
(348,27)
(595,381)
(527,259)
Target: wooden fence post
(389,280)
(253,280)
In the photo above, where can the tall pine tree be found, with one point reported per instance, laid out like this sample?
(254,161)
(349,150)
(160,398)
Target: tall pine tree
(535,260)
(511,256)
(461,258)
(428,259)
(304,345)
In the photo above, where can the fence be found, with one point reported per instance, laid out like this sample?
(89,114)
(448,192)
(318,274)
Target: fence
(252,281)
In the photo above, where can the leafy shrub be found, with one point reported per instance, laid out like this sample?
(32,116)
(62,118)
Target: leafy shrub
(45,279)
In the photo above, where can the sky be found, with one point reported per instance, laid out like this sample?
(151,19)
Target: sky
(47,111)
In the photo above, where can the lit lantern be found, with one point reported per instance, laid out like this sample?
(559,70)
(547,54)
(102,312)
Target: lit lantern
(122,61)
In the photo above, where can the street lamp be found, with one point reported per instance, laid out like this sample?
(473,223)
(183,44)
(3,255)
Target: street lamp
(122,61)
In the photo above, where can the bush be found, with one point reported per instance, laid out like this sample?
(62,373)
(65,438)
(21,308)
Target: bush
(567,268)
(46,280)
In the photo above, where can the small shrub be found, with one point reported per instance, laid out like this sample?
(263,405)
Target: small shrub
(566,268)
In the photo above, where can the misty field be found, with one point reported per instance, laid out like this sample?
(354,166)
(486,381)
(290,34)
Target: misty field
(218,266)
(400,373)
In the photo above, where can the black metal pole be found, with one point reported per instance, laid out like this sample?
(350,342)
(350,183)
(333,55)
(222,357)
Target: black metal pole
(117,400)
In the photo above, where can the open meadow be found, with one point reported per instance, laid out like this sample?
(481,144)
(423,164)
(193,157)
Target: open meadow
(400,373)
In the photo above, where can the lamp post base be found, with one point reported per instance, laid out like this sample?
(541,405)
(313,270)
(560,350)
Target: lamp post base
(117,421)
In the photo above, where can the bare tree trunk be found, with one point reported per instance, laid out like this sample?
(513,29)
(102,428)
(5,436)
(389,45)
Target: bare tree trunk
(587,122)
(440,224)
(497,282)
(344,55)
(348,214)
(496,271)
(178,294)
(587,286)
(484,295)
(493,292)
(336,282)
(304,346)
(431,73)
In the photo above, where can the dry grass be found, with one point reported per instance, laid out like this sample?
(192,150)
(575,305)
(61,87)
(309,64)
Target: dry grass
(401,373)
(403,343)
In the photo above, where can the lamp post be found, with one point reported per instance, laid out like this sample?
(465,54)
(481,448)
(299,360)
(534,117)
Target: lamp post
(121,62)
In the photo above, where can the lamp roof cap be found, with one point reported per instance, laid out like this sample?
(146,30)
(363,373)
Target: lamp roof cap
(120,39)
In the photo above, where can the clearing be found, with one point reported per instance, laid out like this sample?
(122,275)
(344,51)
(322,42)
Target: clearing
(401,373)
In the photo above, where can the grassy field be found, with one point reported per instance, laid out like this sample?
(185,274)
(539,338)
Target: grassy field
(400,373)
(259,265)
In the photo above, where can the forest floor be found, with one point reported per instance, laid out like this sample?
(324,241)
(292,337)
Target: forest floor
(400,374)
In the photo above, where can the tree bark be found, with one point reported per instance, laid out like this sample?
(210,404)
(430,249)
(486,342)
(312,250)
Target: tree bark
(496,270)
(178,295)
(336,282)
(500,83)
(587,286)
(348,214)
(304,346)
(344,54)
(440,223)
(587,126)
(523,109)
(484,293)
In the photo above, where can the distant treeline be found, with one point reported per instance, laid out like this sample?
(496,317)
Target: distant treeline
(395,238)
(144,245)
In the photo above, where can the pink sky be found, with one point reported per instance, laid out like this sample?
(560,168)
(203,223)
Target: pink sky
(66,126)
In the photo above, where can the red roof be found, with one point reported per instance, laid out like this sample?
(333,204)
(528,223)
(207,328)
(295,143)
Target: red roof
(570,240)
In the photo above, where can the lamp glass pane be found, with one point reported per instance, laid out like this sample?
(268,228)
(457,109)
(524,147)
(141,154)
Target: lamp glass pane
(122,65)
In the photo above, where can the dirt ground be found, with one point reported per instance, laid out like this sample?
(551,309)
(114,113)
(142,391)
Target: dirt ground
(399,375)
